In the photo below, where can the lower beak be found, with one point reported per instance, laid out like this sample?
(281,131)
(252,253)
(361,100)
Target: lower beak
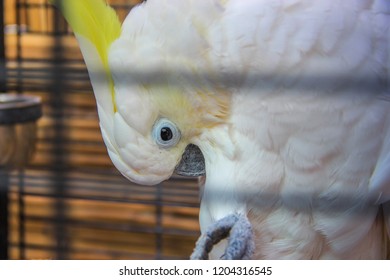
(192,162)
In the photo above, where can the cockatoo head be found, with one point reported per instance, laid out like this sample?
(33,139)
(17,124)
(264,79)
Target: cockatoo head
(153,102)
(155,117)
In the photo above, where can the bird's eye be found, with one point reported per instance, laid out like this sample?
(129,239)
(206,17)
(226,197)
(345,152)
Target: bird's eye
(165,133)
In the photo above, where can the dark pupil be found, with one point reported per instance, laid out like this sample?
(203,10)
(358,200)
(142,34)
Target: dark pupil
(166,134)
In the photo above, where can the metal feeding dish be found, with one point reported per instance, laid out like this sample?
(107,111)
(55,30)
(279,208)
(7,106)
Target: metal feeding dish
(18,129)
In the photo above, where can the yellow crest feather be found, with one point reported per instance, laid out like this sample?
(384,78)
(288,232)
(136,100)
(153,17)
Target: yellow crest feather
(95,21)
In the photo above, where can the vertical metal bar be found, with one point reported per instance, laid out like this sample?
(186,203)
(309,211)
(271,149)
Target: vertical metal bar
(4,179)
(18,11)
(159,227)
(4,202)
(3,72)
(22,217)
(57,102)
(18,88)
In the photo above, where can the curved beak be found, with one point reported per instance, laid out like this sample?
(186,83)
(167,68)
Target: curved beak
(192,162)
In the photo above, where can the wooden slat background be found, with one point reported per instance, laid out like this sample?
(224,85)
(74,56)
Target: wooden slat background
(71,202)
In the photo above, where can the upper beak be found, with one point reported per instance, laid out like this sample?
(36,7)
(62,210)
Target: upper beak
(192,162)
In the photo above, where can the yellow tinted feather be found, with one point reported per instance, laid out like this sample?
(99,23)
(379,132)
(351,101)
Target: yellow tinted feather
(95,21)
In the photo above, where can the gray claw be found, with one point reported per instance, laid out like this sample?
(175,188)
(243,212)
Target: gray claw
(235,227)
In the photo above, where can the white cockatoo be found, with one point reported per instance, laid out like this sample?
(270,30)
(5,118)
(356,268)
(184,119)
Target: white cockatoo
(287,100)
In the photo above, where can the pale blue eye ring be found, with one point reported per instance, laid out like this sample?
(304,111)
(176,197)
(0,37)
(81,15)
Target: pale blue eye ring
(165,133)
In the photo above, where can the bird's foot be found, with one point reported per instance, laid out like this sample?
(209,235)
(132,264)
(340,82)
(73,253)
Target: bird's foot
(237,229)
